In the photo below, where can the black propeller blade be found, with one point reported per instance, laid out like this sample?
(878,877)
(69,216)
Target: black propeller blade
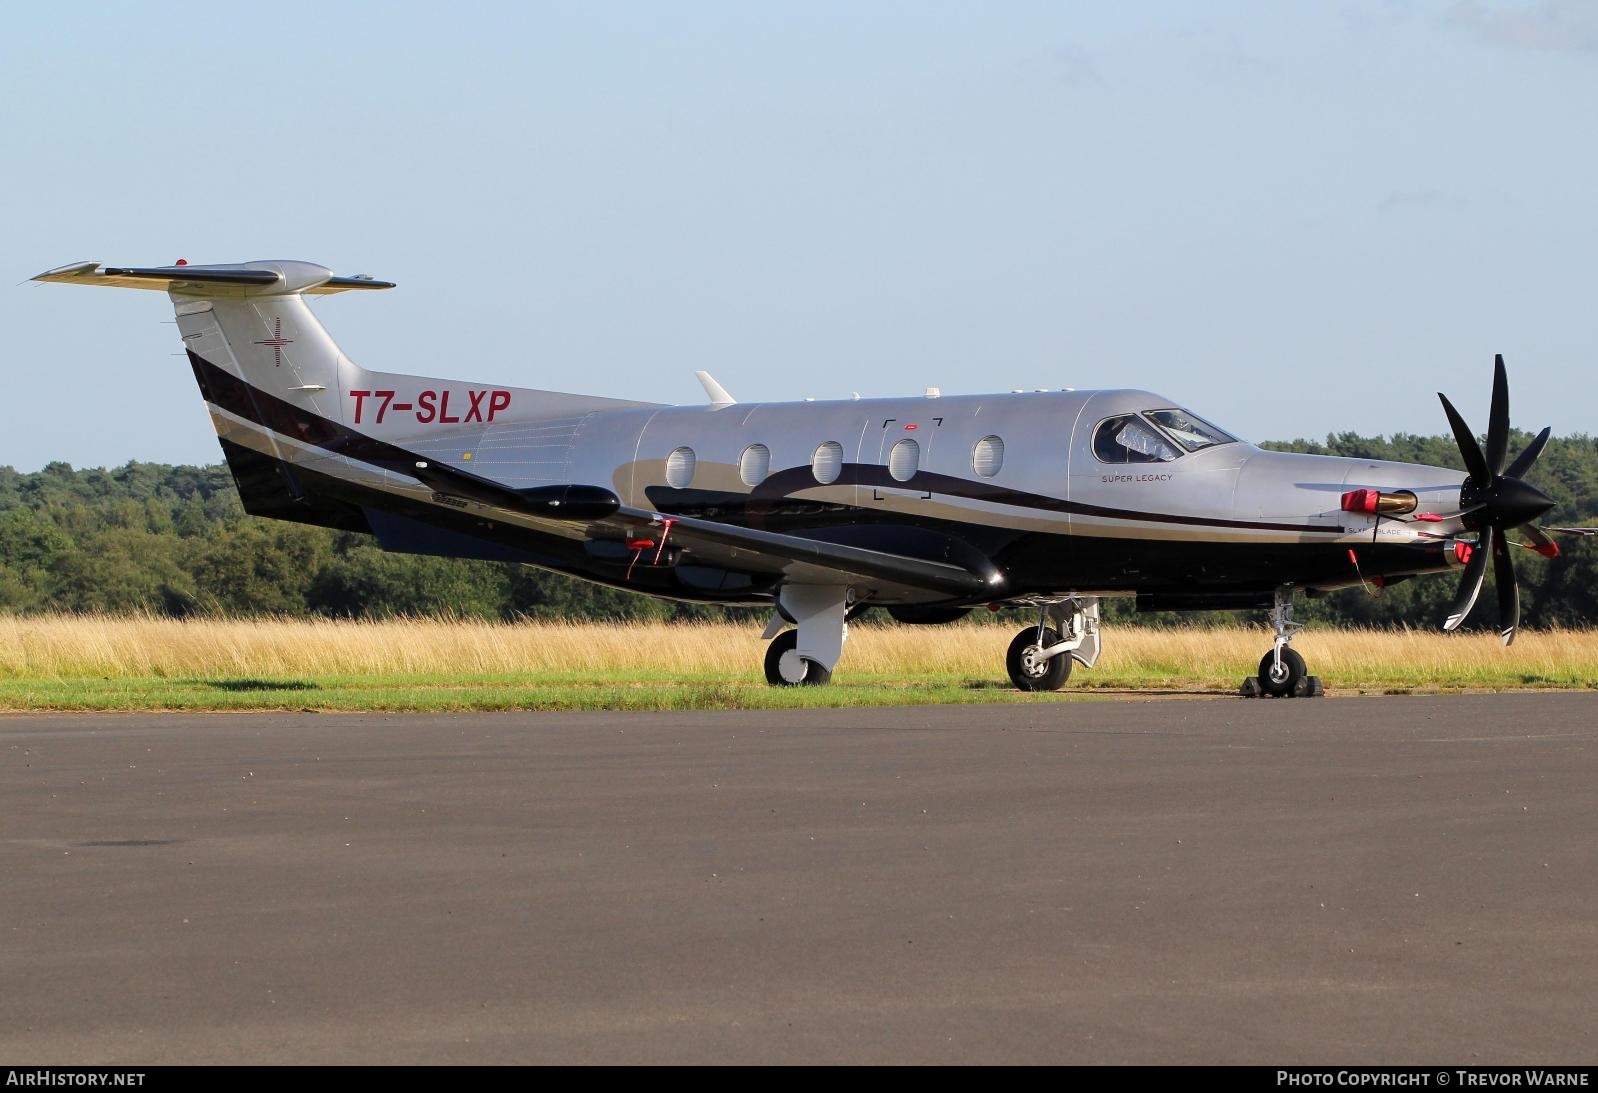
(1475,462)
(1498,419)
(1508,590)
(1493,501)
(1544,544)
(1540,540)
(1470,583)
(1525,459)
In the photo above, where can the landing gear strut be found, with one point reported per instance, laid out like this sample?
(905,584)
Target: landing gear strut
(1040,657)
(786,667)
(1282,670)
(806,656)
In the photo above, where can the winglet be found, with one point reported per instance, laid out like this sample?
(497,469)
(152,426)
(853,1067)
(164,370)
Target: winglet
(717,393)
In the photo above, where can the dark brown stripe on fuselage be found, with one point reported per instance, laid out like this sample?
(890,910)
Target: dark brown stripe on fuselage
(238,397)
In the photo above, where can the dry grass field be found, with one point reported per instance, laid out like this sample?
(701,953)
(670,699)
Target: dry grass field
(68,662)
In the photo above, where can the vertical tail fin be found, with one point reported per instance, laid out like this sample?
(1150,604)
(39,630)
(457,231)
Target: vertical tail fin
(292,410)
(255,345)
(249,320)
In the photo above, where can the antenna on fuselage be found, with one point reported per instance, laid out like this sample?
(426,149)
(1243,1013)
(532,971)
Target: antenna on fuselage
(714,391)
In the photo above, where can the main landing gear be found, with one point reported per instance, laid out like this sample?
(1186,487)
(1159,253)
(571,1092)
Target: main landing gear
(1040,656)
(1282,671)
(787,667)
(806,655)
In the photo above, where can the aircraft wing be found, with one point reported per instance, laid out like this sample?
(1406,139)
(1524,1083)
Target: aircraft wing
(750,550)
(564,504)
(809,561)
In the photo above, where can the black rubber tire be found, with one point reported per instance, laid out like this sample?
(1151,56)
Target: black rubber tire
(1051,676)
(785,642)
(1292,672)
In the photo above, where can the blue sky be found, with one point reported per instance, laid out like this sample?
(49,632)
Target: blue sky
(1295,218)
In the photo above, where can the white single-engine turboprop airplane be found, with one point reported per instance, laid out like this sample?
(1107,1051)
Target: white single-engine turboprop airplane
(927,507)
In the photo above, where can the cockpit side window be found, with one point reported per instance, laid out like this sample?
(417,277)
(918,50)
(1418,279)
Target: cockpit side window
(1130,439)
(1189,430)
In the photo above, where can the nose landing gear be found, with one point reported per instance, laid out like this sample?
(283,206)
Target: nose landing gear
(1282,672)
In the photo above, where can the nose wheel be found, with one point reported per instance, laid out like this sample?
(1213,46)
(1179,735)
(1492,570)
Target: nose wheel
(1282,671)
(1280,676)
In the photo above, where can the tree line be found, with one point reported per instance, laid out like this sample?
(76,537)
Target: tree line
(175,540)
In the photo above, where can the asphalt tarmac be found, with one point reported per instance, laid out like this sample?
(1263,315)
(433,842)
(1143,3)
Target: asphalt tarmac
(1403,879)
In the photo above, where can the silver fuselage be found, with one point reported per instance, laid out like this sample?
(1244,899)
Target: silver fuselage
(968,499)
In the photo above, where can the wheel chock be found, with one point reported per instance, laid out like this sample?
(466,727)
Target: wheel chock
(1308,687)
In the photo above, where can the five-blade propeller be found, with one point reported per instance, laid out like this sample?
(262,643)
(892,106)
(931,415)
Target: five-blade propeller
(1493,501)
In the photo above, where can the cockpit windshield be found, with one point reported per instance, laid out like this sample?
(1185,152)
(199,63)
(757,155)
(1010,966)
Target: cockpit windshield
(1130,439)
(1155,436)
(1189,430)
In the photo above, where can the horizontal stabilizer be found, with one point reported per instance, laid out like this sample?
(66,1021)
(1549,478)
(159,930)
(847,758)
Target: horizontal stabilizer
(199,275)
(272,278)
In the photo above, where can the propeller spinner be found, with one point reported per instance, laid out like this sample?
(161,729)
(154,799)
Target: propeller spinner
(1494,501)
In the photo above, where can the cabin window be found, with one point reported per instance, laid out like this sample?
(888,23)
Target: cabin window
(1130,439)
(827,463)
(987,457)
(680,467)
(754,464)
(903,459)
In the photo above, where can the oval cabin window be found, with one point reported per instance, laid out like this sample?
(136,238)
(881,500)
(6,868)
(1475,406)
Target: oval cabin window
(903,459)
(680,467)
(827,463)
(988,456)
(754,464)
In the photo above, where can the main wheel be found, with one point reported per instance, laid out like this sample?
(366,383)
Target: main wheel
(1027,671)
(786,668)
(1279,680)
